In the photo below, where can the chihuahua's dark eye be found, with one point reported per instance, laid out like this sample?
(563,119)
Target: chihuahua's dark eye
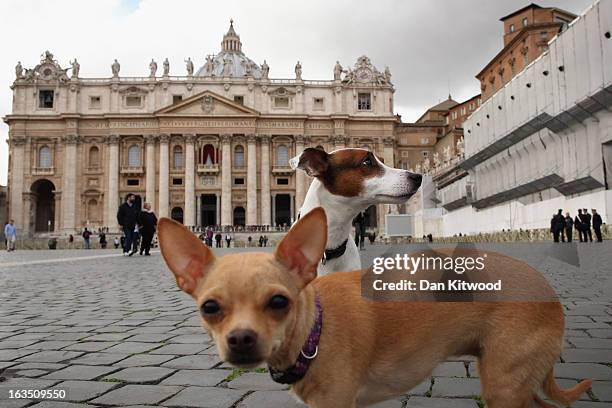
(278,302)
(210,307)
(367,162)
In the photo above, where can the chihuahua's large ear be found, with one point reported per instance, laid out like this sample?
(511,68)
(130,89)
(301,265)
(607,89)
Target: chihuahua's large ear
(302,248)
(313,161)
(184,254)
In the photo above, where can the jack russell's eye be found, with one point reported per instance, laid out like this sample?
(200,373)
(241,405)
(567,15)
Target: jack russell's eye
(210,307)
(367,162)
(278,302)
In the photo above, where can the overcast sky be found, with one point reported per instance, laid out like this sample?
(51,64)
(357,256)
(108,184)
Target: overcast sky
(432,47)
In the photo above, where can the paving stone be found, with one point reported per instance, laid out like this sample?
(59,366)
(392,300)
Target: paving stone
(270,399)
(6,364)
(587,404)
(133,394)
(90,346)
(201,378)
(140,375)
(23,384)
(132,347)
(60,404)
(191,339)
(30,373)
(99,358)
(422,402)
(601,333)
(15,403)
(140,360)
(450,369)
(108,337)
(581,371)
(84,390)
(586,356)
(388,404)
(39,366)
(422,389)
(180,349)
(589,343)
(80,372)
(8,355)
(15,344)
(205,397)
(192,362)
(255,381)
(51,356)
(69,336)
(50,345)
(455,387)
(602,390)
(151,337)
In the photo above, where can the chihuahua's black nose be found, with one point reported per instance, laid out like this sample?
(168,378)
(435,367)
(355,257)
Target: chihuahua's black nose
(242,340)
(415,178)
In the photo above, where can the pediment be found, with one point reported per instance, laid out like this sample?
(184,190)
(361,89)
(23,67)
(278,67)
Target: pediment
(207,103)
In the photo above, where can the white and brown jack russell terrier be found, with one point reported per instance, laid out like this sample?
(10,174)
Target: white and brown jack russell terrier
(348,181)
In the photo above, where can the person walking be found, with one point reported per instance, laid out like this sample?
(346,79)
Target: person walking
(578,225)
(586,221)
(265,240)
(10,233)
(127,217)
(209,237)
(148,224)
(218,239)
(86,236)
(569,226)
(102,237)
(228,239)
(261,241)
(597,222)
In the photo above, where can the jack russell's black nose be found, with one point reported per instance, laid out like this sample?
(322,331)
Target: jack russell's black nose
(415,178)
(242,340)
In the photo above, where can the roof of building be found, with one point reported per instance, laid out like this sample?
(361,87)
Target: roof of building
(444,105)
(532,5)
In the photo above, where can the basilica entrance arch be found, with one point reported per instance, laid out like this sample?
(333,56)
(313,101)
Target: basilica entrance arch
(44,205)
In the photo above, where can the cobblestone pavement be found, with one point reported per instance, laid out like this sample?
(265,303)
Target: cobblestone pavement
(115,332)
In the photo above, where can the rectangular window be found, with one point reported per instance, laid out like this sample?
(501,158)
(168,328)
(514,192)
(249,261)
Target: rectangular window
(364,101)
(239,181)
(133,101)
(318,104)
(525,22)
(511,28)
(133,182)
(239,99)
(177,181)
(281,102)
(95,102)
(177,98)
(45,98)
(282,181)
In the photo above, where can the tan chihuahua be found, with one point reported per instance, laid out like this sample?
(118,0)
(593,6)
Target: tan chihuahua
(340,350)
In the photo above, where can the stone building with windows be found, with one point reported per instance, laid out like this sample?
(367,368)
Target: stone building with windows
(210,147)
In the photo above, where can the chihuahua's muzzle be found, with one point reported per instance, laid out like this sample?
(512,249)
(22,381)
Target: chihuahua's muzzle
(242,348)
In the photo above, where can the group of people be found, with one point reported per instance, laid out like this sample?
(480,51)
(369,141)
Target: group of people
(209,234)
(138,225)
(562,227)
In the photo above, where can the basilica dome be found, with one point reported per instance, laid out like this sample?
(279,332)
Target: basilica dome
(231,61)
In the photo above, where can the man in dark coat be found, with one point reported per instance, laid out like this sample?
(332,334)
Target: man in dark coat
(597,222)
(148,224)
(578,225)
(127,217)
(557,225)
(569,226)
(586,225)
(218,240)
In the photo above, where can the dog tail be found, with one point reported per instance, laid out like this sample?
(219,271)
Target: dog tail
(564,397)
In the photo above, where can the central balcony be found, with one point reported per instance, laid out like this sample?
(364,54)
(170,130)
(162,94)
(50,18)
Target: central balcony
(208,168)
(43,171)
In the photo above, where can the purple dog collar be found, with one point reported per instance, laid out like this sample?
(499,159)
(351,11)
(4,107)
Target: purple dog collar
(309,351)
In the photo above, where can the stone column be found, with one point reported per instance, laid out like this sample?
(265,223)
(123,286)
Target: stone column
(300,176)
(251,213)
(16,182)
(265,180)
(164,174)
(69,184)
(112,186)
(226,180)
(150,170)
(57,196)
(190,210)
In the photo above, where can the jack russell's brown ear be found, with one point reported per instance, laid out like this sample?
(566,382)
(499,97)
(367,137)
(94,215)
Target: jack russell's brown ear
(313,161)
(186,256)
(302,248)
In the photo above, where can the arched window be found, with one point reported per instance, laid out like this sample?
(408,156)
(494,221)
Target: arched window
(239,156)
(207,155)
(134,156)
(177,157)
(282,156)
(44,157)
(94,157)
